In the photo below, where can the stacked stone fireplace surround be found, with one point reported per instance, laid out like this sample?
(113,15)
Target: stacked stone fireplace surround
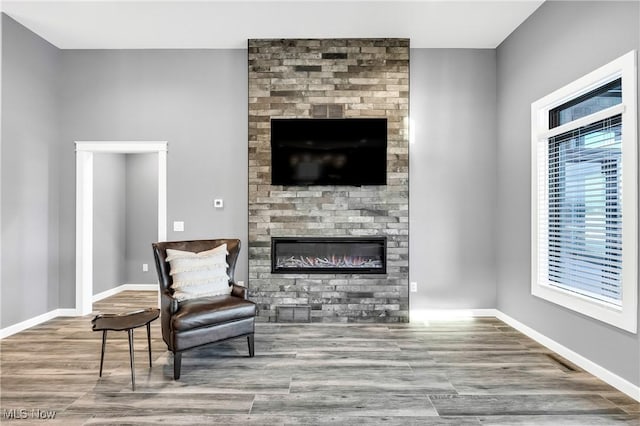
(329,78)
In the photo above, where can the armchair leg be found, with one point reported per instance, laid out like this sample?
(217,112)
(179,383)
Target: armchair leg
(177,361)
(250,341)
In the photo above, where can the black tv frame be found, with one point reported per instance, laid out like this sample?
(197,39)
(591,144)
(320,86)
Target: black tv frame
(359,139)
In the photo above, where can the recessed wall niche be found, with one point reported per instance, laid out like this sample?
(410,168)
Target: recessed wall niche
(330,78)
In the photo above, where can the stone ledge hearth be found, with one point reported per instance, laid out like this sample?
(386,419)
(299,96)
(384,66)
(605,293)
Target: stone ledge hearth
(330,78)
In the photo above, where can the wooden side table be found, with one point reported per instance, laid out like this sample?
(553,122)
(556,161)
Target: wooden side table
(125,322)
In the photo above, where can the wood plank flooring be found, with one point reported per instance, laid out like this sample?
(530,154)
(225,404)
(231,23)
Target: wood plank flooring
(475,372)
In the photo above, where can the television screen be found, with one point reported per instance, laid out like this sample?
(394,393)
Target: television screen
(345,151)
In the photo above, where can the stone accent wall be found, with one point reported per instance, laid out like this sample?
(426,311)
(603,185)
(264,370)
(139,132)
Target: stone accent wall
(330,78)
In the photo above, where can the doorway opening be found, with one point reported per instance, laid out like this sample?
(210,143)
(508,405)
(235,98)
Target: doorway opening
(85,151)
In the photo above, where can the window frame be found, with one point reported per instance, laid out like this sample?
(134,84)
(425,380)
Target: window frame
(625,316)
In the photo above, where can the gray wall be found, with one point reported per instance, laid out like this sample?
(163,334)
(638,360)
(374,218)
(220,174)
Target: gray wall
(194,99)
(141,217)
(559,43)
(109,221)
(30,170)
(125,215)
(452,179)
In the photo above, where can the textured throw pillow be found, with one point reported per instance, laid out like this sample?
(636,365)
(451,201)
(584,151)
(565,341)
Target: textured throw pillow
(199,274)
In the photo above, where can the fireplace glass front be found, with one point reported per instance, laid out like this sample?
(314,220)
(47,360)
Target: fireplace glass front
(358,255)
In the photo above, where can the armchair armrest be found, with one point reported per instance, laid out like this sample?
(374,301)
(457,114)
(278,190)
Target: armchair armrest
(238,291)
(168,303)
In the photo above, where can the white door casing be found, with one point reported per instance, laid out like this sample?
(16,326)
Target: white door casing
(85,151)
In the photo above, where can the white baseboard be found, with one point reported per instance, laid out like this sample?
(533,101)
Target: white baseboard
(70,312)
(123,287)
(600,372)
(32,322)
(424,315)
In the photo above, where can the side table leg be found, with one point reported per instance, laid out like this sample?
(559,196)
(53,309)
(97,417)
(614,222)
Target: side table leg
(133,377)
(104,341)
(149,341)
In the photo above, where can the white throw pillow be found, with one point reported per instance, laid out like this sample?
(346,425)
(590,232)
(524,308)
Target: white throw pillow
(199,274)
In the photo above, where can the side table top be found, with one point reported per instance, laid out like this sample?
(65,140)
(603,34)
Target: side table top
(124,321)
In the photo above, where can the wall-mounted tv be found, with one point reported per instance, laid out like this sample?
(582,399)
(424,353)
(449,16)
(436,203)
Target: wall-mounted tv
(344,151)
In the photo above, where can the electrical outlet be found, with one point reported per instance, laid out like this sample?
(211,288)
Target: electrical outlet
(178,226)
(218,203)
(413,286)
(145,267)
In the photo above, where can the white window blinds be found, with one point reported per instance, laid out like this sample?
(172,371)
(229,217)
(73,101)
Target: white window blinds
(582,211)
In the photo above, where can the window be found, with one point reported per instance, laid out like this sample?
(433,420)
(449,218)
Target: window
(584,195)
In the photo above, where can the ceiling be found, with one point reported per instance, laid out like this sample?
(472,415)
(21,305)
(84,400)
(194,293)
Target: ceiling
(228,24)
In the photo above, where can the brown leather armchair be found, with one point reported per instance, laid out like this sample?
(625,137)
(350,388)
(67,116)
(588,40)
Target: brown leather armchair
(191,323)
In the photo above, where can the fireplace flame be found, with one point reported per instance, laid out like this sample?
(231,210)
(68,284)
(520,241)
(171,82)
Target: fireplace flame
(332,261)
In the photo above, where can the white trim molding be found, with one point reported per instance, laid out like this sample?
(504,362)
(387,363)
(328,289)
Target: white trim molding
(63,312)
(623,385)
(124,287)
(84,231)
(85,151)
(586,364)
(425,315)
(32,322)
(122,147)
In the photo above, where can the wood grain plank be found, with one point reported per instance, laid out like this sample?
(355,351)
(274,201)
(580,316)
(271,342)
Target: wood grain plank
(441,373)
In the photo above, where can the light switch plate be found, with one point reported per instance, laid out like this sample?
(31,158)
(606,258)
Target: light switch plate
(218,203)
(413,287)
(178,226)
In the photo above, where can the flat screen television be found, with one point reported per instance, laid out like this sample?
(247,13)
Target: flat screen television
(344,151)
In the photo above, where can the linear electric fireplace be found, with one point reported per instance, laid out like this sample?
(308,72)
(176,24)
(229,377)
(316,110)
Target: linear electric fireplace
(358,255)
